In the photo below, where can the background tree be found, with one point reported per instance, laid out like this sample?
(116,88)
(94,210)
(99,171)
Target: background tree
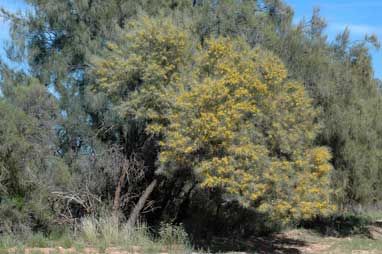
(29,169)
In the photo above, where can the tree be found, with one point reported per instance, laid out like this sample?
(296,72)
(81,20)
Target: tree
(138,75)
(338,76)
(29,167)
(241,126)
(16,127)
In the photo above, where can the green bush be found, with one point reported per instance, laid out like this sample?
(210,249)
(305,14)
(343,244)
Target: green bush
(339,225)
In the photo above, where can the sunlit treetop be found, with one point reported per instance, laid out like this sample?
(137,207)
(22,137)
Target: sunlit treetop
(138,72)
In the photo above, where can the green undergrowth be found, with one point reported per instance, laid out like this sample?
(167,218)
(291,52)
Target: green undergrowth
(100,234)
(342,225)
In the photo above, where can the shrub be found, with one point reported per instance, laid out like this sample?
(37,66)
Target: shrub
(89,229)
(171,235)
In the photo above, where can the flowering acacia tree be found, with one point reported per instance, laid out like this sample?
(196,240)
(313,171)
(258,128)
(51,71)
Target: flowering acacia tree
(242,127)
(225,111)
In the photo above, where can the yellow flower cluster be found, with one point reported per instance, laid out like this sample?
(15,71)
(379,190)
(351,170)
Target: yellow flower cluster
(245,129)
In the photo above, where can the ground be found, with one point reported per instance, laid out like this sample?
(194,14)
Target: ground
(302,241)
(347,236)
(297,241)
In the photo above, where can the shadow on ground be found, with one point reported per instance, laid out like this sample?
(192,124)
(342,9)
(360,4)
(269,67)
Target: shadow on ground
(340,225)
(288,243)
(277,244)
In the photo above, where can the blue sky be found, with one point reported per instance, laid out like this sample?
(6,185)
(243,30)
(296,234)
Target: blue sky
(11,5)
(14,6)
(360,16)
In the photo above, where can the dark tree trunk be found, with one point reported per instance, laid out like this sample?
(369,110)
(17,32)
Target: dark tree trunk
(117,193)
(183,208)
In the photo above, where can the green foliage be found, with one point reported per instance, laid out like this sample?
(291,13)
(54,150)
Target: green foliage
(16,166)
(16,128)
(27,157)
(139,72)
(340,225)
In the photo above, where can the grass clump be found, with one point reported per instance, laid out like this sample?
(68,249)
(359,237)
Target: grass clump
(108,231)
(8,241)
(171,235)
(89,229)
(104,232)
(140,234)
(38,241)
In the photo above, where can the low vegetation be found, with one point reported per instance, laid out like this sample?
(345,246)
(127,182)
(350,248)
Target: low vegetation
(100,235)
